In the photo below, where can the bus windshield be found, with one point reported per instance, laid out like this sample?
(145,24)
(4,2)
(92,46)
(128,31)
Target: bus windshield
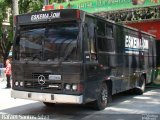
(49,42)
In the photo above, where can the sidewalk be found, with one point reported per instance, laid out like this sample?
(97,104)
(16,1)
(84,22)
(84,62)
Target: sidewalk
(2,74)
(3,84)
(156,83)
(2,79)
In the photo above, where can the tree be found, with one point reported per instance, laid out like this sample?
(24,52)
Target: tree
(6,35)
(26,6)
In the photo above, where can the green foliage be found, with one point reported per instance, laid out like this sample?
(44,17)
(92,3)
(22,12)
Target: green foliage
(6,37)
(26,6)
(5,41)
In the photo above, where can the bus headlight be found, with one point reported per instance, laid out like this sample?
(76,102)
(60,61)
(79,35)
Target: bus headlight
(21,84)
(74,87)
(16,83)
(67,86)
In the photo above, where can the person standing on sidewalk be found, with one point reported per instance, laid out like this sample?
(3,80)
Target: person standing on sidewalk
(8,73)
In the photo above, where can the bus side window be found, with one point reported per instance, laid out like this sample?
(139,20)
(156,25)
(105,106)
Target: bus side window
(106,41)
(100,28)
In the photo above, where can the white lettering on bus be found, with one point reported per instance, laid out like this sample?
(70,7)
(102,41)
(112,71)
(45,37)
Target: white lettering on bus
(131,42)
(44,17)
(145,43)
(135,43)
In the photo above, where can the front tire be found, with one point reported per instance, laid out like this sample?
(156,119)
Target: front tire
(102,98)
(48,104)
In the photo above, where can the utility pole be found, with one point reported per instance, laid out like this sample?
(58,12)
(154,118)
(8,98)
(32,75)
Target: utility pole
(15,7)
(46,2)
(15,11)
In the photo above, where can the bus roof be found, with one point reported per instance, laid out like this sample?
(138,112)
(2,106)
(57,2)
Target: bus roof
(48,16)
(59,15)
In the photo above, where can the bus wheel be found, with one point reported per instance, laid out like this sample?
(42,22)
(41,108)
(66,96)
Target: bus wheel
(48,104)
(102,100)
(141,86)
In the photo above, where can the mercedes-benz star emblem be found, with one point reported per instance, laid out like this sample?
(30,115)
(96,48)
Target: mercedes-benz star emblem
(41,80)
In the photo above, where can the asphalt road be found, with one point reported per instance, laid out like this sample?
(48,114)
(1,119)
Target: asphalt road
(123,107)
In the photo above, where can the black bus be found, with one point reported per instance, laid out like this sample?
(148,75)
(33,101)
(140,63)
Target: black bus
(70,56)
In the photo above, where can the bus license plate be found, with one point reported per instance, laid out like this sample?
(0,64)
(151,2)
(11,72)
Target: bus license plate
(54,77)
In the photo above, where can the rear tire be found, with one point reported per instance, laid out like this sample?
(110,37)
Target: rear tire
(103,98)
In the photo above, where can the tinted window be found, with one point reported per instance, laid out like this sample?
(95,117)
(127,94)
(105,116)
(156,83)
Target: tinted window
(105,45)
(100,28)
(109,31)
(105,37)
(49,42)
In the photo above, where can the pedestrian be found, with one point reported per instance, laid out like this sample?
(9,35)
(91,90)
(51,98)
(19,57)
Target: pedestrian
(8,73)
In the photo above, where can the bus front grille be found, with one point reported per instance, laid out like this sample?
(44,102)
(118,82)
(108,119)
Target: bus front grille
(32,82)
(46,85)
(35,75)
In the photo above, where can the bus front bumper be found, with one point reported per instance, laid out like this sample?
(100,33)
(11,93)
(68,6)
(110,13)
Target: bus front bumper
(47,97)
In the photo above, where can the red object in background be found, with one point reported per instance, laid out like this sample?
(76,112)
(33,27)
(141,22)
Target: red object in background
(152,27)
(61,7)
(48,7)
(155,1)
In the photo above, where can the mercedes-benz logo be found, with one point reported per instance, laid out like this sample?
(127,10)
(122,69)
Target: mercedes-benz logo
(41,79)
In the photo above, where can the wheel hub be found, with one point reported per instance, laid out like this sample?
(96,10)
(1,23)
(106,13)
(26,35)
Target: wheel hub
(104,95)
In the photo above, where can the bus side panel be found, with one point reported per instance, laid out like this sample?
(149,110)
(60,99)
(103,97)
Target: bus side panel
(127,63)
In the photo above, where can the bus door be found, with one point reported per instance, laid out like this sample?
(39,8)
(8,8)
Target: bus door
(91,66)
(90,52)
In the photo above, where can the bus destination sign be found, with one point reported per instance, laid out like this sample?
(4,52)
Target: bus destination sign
(45,16)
